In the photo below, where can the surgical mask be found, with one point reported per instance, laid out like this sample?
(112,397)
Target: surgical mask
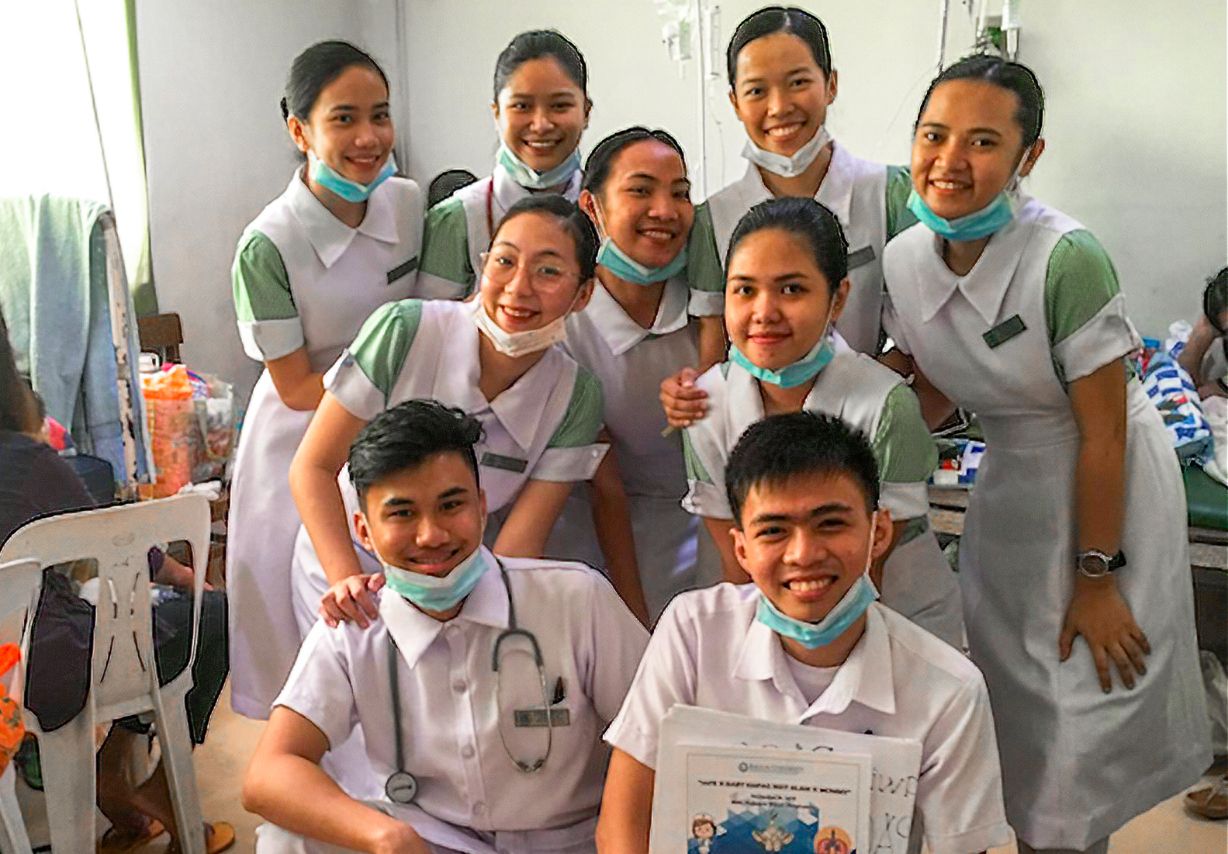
(792,166)
(988,220)
(351,191)
(516,344)
(530,178)
(791,376)
(855,602)
(436,593)
(627,268)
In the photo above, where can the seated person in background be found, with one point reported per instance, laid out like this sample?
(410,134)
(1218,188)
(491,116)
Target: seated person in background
(807,644)
(35,482)
(1205,355)
(445,684)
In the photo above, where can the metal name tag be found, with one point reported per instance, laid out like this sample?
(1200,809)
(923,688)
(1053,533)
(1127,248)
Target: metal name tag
(498,461)
(861,257)
(537,717)
(1004,331)
(403,269)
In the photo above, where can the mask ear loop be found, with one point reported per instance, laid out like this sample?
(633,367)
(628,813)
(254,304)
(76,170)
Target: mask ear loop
(870,550)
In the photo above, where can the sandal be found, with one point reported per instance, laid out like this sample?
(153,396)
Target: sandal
(219,836)
(116,840)
(1211,801)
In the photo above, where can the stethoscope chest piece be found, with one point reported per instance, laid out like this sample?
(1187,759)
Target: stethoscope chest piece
(401,787)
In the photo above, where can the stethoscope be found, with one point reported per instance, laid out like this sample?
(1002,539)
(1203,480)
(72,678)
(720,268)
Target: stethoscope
(402,787)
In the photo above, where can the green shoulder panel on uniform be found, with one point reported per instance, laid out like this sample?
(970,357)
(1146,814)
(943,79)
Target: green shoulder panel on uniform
(703,265)
(899,185)
(695,469)
(383,343)
(902,444)
(445,242)
(261,285)
(583,419)
(1080,281)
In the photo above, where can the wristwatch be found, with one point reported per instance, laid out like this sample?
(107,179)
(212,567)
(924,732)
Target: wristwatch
(1094,563)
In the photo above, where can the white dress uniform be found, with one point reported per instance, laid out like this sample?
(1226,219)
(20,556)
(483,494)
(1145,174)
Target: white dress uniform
(302,278)
(542,428)
(868,198)
(917,579)
(459,229)
(1040,309)
(898,681)
(630,362)
(452,712)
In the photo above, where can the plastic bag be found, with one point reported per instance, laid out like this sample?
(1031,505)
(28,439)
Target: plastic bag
(1216,684)
(174,432)
(12,726)
(191,422)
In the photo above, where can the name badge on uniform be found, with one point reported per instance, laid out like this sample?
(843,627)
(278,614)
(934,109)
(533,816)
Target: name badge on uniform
(498,461)
(1004,331)
(537,717)
(403,269)
(860,257)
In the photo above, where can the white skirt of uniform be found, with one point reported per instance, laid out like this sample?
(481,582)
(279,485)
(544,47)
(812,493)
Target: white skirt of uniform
(1073,767)
(261,529)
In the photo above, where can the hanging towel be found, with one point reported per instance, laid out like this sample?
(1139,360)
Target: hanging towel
(54,294)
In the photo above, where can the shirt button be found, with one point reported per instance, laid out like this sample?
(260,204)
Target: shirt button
(479,808)
(459,686)
(467,751)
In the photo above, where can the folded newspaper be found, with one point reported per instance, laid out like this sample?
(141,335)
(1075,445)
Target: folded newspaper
(729,783)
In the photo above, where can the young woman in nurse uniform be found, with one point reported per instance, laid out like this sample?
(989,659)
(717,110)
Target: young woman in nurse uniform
(541,108)
(635,331)
(1073,563)
(340,241)
(781,84)
(498,358)
(788,282)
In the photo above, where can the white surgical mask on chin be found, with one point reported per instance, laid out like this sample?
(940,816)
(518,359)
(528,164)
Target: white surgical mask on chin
(792,166)
(515,344)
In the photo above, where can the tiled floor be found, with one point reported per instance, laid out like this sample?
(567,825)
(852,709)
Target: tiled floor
(220,762)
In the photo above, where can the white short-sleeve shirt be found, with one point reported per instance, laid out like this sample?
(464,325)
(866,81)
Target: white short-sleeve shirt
(708,650)
(451,710)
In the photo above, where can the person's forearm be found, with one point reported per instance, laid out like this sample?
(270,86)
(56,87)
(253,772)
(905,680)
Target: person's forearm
(1202,336)
(624,823)
(1100,492)
(296,795)
(612,523)
(322,510)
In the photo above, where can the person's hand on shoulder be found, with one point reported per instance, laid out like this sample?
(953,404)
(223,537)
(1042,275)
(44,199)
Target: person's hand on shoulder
(684,403)
(352,599)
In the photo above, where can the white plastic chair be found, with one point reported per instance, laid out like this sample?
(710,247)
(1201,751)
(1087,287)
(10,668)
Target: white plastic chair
(124,677)
(19,585)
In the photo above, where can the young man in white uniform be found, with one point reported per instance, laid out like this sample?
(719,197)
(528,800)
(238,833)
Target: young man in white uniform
(481,748)
(806,644)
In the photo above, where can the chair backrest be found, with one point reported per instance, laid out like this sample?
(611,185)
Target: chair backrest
(20,582)
(124,674)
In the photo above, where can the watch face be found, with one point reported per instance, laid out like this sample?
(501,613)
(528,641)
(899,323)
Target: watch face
(1093,565)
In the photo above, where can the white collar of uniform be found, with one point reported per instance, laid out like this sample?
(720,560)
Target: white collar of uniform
(620,332)
(329,236)
(520,408)
(745,402)
(866,676)
(985,284)
(414,631)
(507,192)
(835,193)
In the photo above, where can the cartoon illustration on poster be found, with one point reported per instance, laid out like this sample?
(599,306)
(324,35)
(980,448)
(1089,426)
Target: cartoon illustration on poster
(779,803)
